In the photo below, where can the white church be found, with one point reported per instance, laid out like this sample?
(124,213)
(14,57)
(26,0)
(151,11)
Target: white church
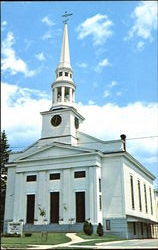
(74,177)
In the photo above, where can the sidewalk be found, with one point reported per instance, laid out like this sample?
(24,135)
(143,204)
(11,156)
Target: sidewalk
(74,239)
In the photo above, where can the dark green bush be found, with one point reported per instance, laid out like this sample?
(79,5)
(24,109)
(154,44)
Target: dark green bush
(11,235)
(100,230)
(28,234)
(88,228)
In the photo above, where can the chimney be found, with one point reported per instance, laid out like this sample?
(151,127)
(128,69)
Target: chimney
(123,138)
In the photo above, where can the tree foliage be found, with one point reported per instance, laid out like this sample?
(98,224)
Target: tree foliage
(4,157)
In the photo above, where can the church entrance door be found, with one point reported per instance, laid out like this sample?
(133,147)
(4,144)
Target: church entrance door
(54,207)
(30,208)
(80,206)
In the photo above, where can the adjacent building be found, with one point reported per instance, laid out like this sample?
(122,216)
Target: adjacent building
(74,177)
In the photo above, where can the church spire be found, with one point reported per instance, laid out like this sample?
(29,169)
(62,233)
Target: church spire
(63,89)
(65,54)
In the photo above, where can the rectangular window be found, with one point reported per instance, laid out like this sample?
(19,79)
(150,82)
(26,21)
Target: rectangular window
(145,198)
(31,178)
(139,194)
(80,174)
(134,228)
(151,204)
(100,202)
(99,185)
(55,176)
(66,73)
(107,224)
(132,191)
(60,73)
(70,75)
(142,229)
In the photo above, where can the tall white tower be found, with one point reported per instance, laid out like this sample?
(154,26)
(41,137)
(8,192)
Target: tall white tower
(62,121)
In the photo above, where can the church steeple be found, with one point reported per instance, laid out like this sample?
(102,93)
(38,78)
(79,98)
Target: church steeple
(62,121)
(63,89)
(65,54)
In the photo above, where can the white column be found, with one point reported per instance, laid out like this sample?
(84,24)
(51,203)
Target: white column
(71,97)
(53,100)
(67,196)
(62,94)
(55,95)
(41,196)
(93,195)
(19,198)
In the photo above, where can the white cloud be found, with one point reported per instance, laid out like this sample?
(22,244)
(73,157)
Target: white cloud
(145,20)
(102,64)
(99,26)
(22,106)
(47,35)
(10,61)
(3,25)
(119,93)
(91,102)
(82,65)
(140,45)
(47,21)
(112,84)
(107,93)
(40,56)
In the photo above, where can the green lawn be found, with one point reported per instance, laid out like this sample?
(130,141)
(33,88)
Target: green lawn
(35,239)
(94,238)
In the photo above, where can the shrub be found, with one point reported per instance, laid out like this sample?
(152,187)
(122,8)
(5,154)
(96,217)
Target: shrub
(100,231)
(88,228)
(28,234)
(11,235)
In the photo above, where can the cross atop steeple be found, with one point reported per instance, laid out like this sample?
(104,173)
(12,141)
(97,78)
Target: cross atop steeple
(65,16)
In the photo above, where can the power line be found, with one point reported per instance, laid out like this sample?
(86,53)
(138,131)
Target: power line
(89,142)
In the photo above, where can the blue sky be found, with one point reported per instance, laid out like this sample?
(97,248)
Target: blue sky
(113,47)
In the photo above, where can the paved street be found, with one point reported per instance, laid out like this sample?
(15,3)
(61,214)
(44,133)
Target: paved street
(129,244)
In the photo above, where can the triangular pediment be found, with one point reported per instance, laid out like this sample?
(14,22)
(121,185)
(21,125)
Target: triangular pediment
(53,151)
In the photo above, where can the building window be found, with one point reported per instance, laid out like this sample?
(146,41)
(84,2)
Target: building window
(145,197)
(99,185)
(151,201)
(139,194)
(55,176)
(100,203)
(80,174)
(66,74)
(31,178)
(107,224)
(141,227)
(132,191)
(60,73)
(134,228)
(70,75)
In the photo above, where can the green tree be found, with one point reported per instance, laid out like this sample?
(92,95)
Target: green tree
(4,156)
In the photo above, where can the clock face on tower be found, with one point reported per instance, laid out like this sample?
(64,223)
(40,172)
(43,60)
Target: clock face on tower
(76,123)
(56,120)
